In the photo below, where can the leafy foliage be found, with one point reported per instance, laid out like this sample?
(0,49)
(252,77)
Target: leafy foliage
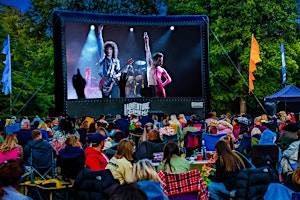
(232,22)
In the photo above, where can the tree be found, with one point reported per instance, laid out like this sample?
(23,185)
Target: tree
(32,57)
(32,48)
(233,22)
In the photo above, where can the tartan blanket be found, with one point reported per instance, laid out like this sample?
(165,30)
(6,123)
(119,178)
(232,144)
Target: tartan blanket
(186,182)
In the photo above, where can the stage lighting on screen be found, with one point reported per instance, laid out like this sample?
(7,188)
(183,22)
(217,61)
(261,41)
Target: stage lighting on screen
(79,55)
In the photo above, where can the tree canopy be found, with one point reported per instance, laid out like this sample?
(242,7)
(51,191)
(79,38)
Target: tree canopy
(231,22)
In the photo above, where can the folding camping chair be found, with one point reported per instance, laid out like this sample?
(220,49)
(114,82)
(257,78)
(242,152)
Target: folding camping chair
(192,141)
(265,155)
(41,164)
(183,186)
(211,140)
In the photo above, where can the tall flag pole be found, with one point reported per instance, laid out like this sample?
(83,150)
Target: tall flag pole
(254,58)
(283,63)
(6,77)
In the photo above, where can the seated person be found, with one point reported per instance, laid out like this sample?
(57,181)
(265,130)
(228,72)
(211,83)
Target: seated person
(10,149)
(236,128)
(166,129)
(149,126)
(189,127)
(153,136)
(228,165)
(172,162)
(269,138)
(145,176)
(138,128)
(292,181)
(229,142)
(71,159)
(10,174)
(94,155)
(258,124)
(255,136)
(120,165)
(225,127)
(110,152)
(128,192)
(285,190)
(39,148)
(176,125)
(290,157)
(152,145)
(93,184)
(288,135)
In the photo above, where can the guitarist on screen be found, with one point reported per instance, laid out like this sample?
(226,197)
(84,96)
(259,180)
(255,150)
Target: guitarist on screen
(109,67)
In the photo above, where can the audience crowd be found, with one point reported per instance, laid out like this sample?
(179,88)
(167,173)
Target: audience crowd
(133,153)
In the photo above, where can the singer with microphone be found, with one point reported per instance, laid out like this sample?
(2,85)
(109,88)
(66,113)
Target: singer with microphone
(155,71)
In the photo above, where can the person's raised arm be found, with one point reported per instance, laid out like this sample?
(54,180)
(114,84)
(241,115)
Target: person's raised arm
(147,49)
(100,43)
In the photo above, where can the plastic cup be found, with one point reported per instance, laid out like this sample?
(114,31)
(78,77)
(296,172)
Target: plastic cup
(199,157)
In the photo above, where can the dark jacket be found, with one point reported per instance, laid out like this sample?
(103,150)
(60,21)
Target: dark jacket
(288,182)
(71,160)
(93,185)
(228,178)
(41,152)
(147,148)
(252,183)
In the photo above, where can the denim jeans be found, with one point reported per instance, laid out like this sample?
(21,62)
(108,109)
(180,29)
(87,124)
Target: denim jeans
(218,191)
(114,93)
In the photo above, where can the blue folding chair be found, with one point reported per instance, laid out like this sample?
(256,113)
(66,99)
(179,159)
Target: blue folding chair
(211,140)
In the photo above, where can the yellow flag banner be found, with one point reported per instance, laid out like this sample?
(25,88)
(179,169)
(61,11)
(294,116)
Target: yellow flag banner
(254,58)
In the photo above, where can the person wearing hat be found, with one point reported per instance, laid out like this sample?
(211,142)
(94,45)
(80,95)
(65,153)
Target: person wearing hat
(95,157)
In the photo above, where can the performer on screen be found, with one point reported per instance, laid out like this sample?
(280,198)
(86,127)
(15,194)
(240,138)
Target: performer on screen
(109,67)
(155,72)
(91,89)
(110,70)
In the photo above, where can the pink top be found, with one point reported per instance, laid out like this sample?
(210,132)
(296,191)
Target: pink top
(12,154)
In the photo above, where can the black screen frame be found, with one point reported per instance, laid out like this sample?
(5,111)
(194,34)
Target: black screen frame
(61,18)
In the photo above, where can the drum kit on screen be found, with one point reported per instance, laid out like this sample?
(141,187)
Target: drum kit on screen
(135,79)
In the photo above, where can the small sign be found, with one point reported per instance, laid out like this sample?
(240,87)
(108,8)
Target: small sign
(197,104)
(135,108)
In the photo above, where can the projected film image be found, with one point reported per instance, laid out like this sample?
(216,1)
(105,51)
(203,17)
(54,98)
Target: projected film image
(123,61)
